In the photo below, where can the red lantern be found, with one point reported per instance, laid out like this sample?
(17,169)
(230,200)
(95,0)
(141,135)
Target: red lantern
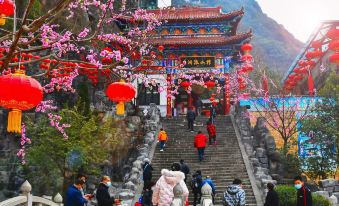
(161,48)
(302,63)
(106,60)
(247,67)
(135,55)
(334,58)
(6,9)
(247,58)
(316,44)
(120,92)
(298,77)
(210,84)
(310,63)
(18,92)
(185,84)
(242,86)
(246,48)
(333,33)
(334,45)
(313,54)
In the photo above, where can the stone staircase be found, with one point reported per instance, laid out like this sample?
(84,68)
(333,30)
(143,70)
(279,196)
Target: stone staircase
(223,162)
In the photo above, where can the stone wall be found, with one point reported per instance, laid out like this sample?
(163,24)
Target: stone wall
(133,171)
(329,188)
(260,148)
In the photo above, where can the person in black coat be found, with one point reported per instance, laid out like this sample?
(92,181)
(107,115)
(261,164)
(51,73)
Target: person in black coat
(184,168)
(147,174)
(304,195)
(103,196)
(190,118)
(272,198)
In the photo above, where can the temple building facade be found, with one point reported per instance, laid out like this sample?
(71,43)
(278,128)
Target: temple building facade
(203,40)
(318,58)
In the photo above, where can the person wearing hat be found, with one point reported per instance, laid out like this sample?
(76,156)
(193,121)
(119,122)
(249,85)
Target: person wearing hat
(163,189)
(209,181)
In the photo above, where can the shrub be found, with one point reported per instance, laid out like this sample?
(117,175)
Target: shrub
(287,196)
(319,200)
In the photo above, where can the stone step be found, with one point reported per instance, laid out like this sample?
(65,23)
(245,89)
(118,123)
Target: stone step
(223,162)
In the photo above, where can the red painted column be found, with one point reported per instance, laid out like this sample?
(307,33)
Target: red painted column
(169,99)
(227,99)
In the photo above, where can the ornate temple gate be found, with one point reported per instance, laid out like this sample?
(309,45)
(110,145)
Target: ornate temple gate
(206,38)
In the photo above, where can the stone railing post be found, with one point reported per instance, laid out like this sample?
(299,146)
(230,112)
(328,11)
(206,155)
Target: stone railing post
(178,199)
(58,199)
(26,189)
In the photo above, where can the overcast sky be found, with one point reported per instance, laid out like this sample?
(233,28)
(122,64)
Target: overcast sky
(301,17)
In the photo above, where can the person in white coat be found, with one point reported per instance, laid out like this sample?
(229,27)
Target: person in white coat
(163,189)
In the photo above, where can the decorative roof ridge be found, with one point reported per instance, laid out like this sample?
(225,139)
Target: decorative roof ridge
(189,40)
(184,13)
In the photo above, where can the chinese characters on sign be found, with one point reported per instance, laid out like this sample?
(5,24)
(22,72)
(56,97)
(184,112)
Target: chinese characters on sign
(198,62)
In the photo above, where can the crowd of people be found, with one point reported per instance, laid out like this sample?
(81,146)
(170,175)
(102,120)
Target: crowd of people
(161,192)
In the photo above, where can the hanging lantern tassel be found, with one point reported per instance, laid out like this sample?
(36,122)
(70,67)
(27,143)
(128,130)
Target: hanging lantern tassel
(120,108)
(2,20)
(14,121)
(310,84)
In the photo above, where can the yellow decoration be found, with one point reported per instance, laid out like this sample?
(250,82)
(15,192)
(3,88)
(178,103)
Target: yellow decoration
(120,108)
(14,121)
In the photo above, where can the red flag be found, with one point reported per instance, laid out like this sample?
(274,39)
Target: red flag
(310,83)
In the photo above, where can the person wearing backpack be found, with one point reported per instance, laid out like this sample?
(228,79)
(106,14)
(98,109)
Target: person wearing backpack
(196,184)
(212,132)
(162,138)
(209,181)
(147,174)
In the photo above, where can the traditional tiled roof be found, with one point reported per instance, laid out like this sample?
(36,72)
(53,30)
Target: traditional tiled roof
(201,40)
(195,14)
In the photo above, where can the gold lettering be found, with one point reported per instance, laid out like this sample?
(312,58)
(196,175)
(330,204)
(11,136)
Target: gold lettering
(189,62)
(196,62)
(208,62)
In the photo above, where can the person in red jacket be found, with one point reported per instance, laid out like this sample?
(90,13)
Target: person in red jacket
(212,132)
(200,141)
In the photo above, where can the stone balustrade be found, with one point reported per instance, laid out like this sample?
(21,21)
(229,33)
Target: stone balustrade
(27,199)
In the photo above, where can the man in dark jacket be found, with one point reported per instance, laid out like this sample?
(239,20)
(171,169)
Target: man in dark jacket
(213,113)
(103,196)
(147,174)
(190,118)
(196,185)
(304,195)
(74,196)
(272,198)
(184,168)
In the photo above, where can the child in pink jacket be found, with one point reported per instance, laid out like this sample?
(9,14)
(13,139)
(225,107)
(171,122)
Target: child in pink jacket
(163,190)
